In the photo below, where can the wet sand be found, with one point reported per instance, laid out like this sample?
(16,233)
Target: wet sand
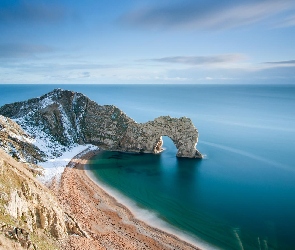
(107,224)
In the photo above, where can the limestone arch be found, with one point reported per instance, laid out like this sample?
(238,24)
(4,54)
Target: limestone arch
(181,131)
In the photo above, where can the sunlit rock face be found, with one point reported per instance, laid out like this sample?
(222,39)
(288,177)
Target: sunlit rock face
(26,202)
(63,118)
(147,137)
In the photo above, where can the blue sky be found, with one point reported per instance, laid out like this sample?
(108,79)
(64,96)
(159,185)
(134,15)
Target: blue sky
(131,41)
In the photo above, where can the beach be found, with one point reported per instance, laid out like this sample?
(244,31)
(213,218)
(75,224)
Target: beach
(106,223)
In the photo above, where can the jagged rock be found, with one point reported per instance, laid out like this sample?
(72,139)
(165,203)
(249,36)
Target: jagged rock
(31,204)
(62,118)
(73,226)
(44,214)
(17,143)
(19,235)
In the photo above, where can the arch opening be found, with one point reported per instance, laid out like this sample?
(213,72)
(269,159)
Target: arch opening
(165,143)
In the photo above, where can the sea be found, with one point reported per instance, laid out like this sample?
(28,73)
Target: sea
(240,196)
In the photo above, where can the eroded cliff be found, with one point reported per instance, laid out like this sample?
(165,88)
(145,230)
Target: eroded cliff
(17,143)
(30,216)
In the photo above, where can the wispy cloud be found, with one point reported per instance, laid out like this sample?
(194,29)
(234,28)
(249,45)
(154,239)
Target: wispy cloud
(20,50)
(31,11)
(31,71)
(40,66)
(287,22)
(283,63)
(202,60)
(209,14)
(281,66)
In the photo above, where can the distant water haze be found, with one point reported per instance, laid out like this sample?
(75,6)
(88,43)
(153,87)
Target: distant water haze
(241,196)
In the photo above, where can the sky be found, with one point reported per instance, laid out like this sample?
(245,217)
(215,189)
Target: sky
(147,42)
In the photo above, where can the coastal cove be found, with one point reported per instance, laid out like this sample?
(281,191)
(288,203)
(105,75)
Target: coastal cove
(241,195)
(134,201)
(109,224)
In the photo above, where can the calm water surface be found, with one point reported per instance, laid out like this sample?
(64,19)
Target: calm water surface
(242,196)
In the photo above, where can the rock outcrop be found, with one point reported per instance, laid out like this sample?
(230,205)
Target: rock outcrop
(29,208)
(16,238)
(62,118)
(18,144)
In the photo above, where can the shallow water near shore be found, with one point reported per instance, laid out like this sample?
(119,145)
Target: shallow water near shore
(241,196)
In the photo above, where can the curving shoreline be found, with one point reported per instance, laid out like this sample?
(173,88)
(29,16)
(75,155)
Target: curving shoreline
(107,223)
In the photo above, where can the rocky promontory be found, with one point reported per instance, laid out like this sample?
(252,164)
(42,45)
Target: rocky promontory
(62,118)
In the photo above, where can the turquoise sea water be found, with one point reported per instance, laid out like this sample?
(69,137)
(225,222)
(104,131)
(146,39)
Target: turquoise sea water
(242,195)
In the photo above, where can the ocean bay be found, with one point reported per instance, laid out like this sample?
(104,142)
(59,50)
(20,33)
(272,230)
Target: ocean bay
(241,193)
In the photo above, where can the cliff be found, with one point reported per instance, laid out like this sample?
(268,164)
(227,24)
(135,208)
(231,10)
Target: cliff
(19,145)
(61,118)
(30,215)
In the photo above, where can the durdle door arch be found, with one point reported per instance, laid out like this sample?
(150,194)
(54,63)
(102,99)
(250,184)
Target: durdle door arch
(147,137)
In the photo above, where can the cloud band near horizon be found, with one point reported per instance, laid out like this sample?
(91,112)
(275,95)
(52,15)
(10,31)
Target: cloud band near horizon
(202,60)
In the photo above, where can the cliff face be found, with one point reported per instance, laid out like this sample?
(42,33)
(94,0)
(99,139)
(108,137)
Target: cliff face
(50,119)
(29,214)
(19,145)
(62,118)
